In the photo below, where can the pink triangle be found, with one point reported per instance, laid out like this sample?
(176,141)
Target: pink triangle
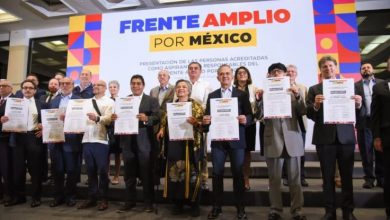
(342,26)
(95,35)
(78,54)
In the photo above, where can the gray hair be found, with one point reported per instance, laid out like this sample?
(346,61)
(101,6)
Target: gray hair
(114,82)
(189,85)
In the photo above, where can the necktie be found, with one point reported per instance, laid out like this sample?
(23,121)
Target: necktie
(2,101)
(49,98)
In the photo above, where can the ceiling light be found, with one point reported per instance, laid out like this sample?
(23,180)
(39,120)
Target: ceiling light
(381,65)
(57,42)
(388,26)
(172,1)
(56,48)
(381,39)
(51,8)
(369,47)
(116,4)
(48,61)
(7,17)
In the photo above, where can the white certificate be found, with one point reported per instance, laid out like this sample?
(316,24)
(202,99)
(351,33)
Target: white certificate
(179,128)
(76,115)
(277,98)
(127,110)
(339,107)
(52,126)
(224,123)
(17,111)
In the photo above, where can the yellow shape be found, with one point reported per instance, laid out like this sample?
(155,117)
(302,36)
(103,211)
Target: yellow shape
(344,8)
(72,61)
(89,42)
(77,23)
(203,40)
(326,43)
(93,68)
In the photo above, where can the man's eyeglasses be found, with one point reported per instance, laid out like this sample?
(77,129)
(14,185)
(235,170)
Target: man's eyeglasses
(4,86)
(28,88)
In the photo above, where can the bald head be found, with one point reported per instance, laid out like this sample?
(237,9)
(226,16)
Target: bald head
(5,88)
(99,88)
(163,77)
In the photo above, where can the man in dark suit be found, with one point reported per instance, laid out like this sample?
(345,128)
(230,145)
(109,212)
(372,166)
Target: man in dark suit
(40,92)
(380,116)
(85,89)
(363,126)
(5,150)
(65,156)
(235,149)
(136,149)
(334,142)
(28,150)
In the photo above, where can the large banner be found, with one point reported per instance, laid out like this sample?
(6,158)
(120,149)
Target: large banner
(254,34)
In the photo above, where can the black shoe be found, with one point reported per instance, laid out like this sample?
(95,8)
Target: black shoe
(349,216)
(148,207)
(56,202)
(87,204)
(304,183)
(15,201)
(274,216)
(285,182)
(368,184)
(299,217)
(195,211)
(103,205)
(35,203)
(126,207)
(177,209)
(214,213)
(241,215)
(71,203)
(329,216)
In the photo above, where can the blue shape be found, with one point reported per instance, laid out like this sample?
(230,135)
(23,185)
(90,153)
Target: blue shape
(323,6)
(87,56)
(79,43)
(349,67)
(95,25)
(350,19)
(324,19)
(350,41)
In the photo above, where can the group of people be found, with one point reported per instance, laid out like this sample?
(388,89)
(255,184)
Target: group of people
(185,167)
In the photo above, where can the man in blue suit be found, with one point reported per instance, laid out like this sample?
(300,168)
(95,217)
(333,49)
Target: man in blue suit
(235,149)
(65,155)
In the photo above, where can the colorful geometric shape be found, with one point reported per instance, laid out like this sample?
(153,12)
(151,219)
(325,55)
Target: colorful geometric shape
(73,72)
(326,43)
(343,1)
(77,23)
(95,35)
(74,60)
(344,8)
(346,23)
(324,19)
(76,40)
(349,41)
(349,67)
(89,41)
(323,6)
(325,28)
(95,25)
(347,55)
(78,54)
(94,17)
(91,56)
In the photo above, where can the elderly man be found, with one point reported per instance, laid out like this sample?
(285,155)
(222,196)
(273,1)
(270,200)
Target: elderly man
(165,91)
(363,126)
(283,143)
(65,156)
(292,72)
(136,149)
(95,146)
(85,89)
(5,150)
(334,142)
(235,149)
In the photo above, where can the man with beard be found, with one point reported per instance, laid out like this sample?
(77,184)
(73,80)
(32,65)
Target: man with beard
(363,126)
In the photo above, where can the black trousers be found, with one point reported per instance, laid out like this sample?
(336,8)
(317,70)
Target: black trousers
(137,161)
(344,155)
(5,168)
(27,154)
